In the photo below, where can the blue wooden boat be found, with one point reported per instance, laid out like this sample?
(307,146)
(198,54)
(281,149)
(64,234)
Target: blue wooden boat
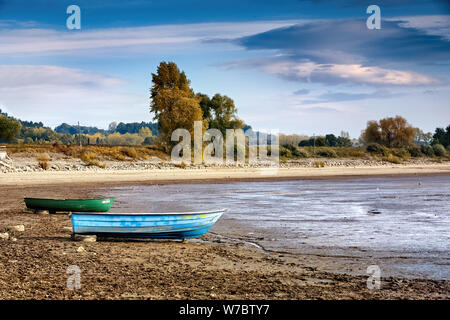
(184,225)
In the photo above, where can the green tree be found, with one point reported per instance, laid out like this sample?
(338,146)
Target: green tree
(331,140)
(343,142)
(205,104)
(442,136)
(224,114)
(439,150)
(9,128)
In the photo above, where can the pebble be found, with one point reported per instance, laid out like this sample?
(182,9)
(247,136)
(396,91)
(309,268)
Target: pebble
(84,238)
(81,250)
(4,236)
(19,228)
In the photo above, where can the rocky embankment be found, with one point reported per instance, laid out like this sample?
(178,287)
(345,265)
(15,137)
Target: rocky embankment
(57,162)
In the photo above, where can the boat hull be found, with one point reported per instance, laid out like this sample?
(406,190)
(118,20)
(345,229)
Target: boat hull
(70,205)
(148,225)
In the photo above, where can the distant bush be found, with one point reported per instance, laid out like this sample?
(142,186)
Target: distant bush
(149,140)
(401,153)
(90,159)
(427,150)
(294,150)
(377,148)
(439,150)
(326,152)
(392,159)
(414,151)
(28,140)
(285,152)
(129,152)
(319,164)
(355,153)
(300,153)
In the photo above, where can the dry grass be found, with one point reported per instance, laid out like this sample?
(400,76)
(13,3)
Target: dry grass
(392,159)
(43,157)
(44,165)
(130,152)
(181,165)
(114,153)
(90,159)
(319,164)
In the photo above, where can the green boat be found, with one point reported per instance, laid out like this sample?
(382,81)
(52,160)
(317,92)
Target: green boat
(70,205)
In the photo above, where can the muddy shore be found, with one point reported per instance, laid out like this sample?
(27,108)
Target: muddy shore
(34,265)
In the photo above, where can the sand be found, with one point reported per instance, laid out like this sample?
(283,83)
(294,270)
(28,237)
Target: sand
(35,265)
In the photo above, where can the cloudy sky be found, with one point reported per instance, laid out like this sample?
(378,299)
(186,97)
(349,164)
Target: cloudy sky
(299,66)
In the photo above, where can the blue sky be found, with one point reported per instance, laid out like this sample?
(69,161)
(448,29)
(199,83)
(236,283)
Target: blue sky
(306,67)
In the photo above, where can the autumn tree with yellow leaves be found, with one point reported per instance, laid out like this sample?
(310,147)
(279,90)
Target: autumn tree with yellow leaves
(173,102)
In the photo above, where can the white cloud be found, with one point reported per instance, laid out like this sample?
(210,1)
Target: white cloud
(44,41)
(437,25)
(20,76)
(308,71)
(54,94)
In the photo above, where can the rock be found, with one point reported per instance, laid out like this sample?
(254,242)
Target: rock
(42,212)
(13,239)
(19,228)
(69,229)
(81,250)
(78,237)
(4,236)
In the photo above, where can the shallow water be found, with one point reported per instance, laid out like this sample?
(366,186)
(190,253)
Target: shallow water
(402,223)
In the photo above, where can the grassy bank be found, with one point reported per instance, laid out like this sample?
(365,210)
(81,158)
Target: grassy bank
(90,155)
(372,152)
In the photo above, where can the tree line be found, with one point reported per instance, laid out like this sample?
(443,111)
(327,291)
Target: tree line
(28,132)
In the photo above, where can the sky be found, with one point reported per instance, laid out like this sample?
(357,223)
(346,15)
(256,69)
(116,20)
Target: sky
(297,66)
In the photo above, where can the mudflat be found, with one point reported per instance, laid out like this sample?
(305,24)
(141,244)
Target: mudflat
(35,265)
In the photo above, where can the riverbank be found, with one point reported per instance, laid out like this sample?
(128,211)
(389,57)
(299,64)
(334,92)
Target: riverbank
(172,174)
(34,263)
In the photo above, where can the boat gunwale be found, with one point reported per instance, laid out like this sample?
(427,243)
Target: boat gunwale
(150,213)
(52,199)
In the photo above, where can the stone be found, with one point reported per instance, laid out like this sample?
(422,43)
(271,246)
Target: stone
(4,236)
(81,250)
(69,229)
(84,238)
(19,228)
(42,212)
